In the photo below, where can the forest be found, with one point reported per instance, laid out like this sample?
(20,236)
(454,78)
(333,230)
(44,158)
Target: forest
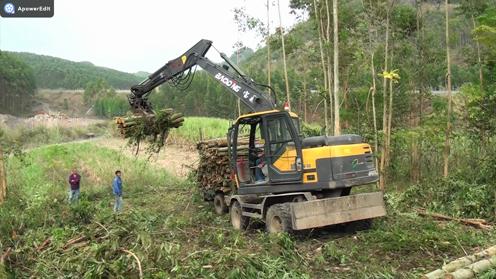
(57,73)
(17,85)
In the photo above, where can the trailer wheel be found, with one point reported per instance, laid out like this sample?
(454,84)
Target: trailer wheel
(220,204)
(278,219)
(238,221)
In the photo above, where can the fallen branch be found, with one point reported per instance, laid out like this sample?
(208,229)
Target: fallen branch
(5,255)
(73,241)
(77,245)
(137,260)
(45,244)
(103,227)
(476,223)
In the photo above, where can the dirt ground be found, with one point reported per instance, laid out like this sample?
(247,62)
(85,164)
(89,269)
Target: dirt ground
(46,120)
(179,160)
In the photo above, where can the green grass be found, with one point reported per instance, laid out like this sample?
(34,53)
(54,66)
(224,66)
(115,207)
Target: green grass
(190,131)
(25,137)
(175,234)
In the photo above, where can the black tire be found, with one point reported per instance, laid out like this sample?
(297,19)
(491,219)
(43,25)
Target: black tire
(220,206)
(238,221)
(278,219)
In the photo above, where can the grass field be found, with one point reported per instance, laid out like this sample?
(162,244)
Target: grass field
(195,128)
(175,234)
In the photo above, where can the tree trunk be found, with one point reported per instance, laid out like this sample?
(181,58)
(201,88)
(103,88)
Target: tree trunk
(321,34)
(382,178)
(3,178)
(337,124)
(373,89)
(284,57)
(448,76)
(390,114)
(268,47)
(325,115)
(304,98)
(329,63)
(323,57)
(479,62)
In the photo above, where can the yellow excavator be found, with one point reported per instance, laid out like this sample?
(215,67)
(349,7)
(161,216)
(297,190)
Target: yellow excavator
(288,181)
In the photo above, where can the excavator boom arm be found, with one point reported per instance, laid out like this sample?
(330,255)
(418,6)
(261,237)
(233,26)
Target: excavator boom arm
(238,84)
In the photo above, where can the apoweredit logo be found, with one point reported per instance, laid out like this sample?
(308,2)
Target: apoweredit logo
(9,8)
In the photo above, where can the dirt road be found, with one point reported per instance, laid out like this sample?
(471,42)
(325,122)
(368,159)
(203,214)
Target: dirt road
(178,160)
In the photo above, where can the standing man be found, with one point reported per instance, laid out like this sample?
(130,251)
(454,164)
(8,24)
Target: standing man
(74,182)
(117,187)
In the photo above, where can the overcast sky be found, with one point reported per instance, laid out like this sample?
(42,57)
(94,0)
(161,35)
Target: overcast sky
(134,35)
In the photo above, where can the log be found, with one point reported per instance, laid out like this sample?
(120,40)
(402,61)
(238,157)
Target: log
(436,274)
(153,128)
(464,261)
(214,170)
(461,263)
(473,269)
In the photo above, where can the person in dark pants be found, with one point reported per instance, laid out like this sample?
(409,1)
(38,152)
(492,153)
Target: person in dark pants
(117,188)
(259,164)
(74,182)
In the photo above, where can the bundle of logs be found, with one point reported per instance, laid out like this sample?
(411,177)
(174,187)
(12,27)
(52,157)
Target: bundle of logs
(466,267)
(152,128)
(214,172)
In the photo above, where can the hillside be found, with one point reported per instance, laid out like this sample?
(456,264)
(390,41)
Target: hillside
(53,73)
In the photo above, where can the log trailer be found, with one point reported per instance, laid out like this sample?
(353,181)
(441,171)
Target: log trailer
(306,181)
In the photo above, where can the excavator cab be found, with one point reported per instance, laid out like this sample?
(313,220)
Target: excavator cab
(265,150)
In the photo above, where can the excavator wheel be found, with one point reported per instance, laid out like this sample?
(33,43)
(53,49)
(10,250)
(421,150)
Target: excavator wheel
(220,204)
(238,221)
(278,219)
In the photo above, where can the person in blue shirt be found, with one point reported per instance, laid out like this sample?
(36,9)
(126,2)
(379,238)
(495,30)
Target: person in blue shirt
(117,188)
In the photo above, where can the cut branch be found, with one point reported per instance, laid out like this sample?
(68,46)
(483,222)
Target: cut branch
(137,260)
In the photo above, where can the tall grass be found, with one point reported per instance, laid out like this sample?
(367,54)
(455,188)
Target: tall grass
(197,128)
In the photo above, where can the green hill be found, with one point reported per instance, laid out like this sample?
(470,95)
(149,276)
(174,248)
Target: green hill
(53,73)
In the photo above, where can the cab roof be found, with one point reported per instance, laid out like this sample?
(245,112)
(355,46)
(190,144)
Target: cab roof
(291,114)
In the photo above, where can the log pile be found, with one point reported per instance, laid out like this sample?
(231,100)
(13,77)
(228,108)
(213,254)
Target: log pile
(152,128)
(214,172)
(466,267)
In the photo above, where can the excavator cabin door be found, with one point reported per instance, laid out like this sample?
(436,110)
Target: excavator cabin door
(265,149)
